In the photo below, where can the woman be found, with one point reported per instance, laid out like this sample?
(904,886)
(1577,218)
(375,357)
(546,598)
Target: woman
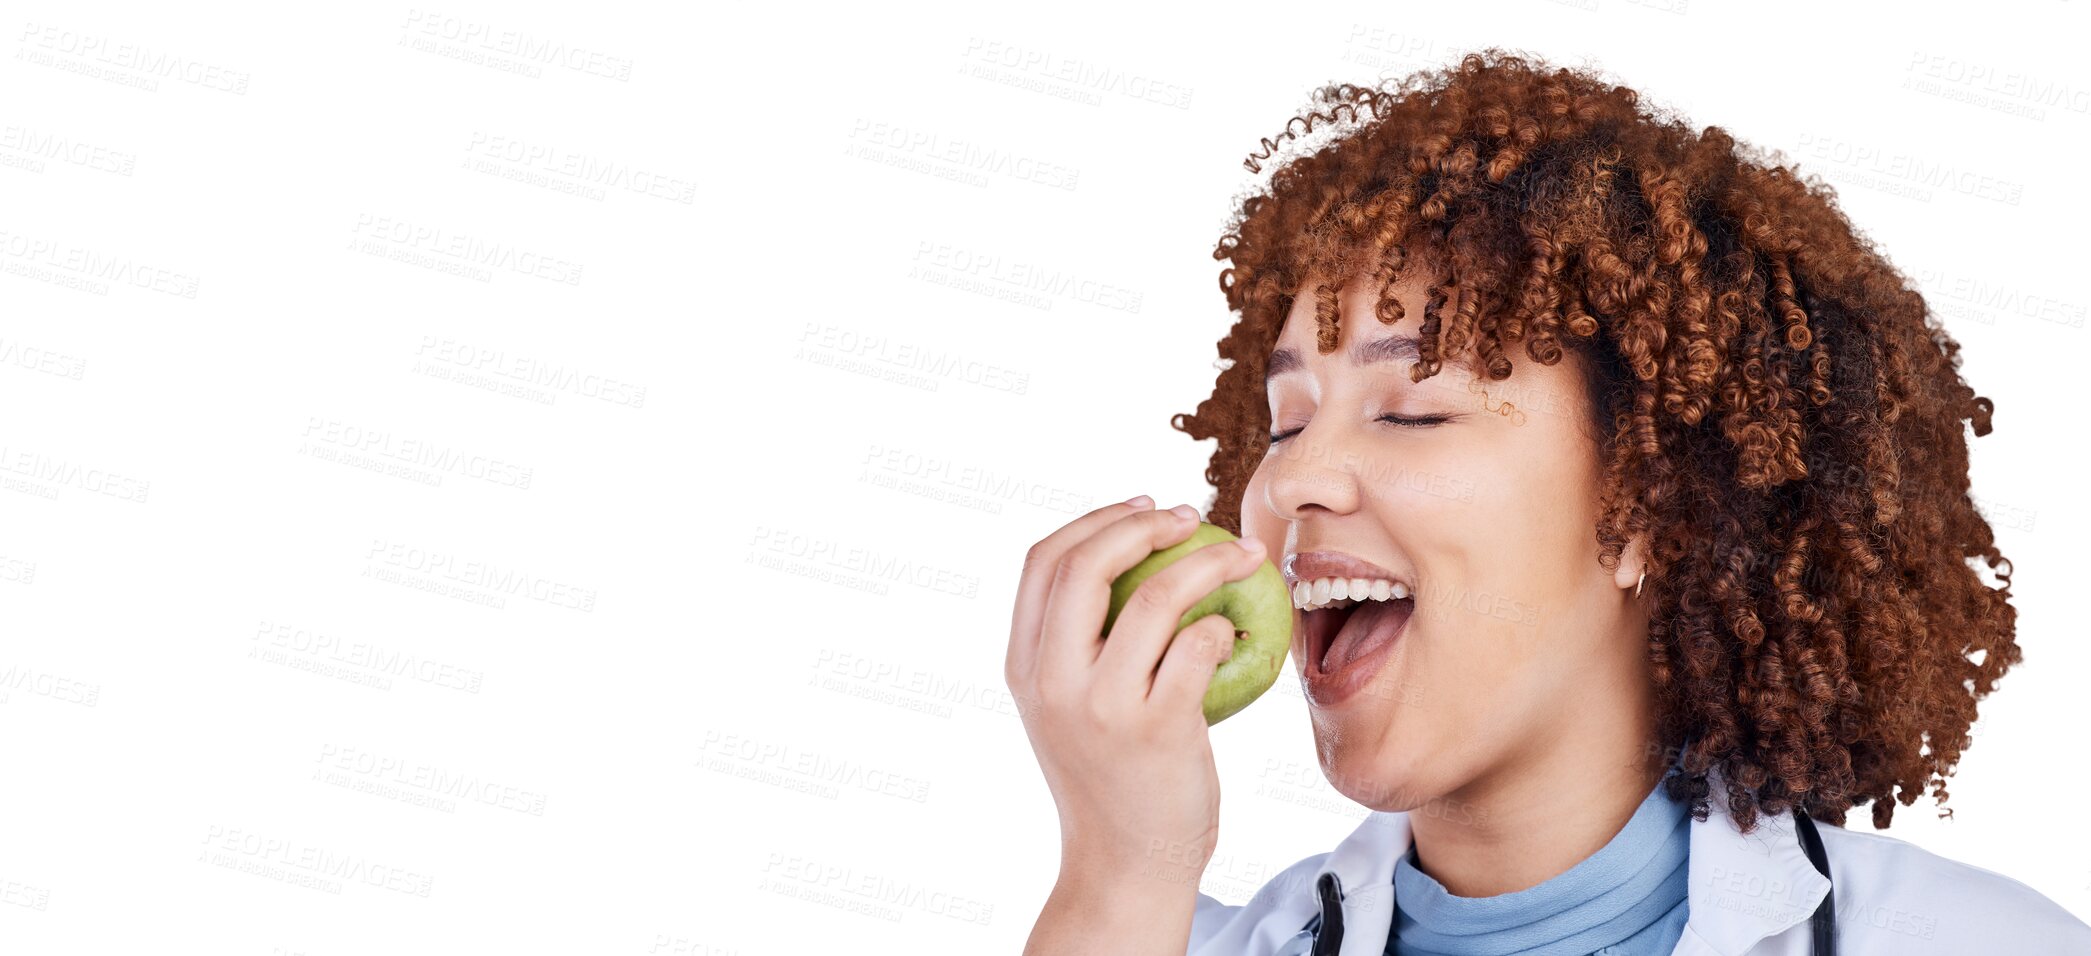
(1621,485)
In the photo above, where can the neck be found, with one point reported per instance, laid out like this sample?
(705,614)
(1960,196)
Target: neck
(1548,806)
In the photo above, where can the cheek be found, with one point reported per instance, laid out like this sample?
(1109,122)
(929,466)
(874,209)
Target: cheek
(1257,520)
(1547,499)
(1427,493)
(1530,544)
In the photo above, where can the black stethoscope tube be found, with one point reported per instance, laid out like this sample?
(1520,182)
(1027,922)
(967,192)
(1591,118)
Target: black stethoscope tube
(1825,918)
(1328,934)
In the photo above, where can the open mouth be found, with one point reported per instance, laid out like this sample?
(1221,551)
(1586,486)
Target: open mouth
(1343,632)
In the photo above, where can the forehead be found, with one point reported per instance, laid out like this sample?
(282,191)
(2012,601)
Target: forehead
(1359,295)
(1362,339)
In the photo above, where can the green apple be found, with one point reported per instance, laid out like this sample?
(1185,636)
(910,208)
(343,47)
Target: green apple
(1259,605)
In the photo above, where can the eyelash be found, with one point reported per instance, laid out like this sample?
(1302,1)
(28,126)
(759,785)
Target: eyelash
(1419,421)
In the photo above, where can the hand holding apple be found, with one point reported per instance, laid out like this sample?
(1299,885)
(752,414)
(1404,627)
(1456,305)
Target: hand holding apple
(1119,716)
(1258,606)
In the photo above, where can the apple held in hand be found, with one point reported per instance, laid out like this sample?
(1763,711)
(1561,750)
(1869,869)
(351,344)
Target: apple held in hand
(1259,605)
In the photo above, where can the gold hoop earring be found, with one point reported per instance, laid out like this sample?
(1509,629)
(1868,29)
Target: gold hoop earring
(1638,583)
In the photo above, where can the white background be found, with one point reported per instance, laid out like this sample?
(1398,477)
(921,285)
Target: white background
(295,301)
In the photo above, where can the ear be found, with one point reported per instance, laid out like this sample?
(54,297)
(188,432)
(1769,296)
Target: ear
(1632,561)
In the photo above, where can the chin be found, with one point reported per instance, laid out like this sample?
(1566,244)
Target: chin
(1414,773)
(1378,781)
(1367,758)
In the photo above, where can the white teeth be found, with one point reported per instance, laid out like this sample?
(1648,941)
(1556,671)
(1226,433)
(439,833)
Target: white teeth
(1342,592)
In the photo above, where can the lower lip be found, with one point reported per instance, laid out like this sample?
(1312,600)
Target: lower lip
(1326,689)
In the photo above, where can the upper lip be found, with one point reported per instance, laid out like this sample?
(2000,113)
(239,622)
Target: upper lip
(1312,565)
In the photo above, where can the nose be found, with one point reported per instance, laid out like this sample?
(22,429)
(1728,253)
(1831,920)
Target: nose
(1309,474)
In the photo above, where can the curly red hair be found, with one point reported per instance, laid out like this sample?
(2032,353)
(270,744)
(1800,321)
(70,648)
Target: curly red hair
(1778,410)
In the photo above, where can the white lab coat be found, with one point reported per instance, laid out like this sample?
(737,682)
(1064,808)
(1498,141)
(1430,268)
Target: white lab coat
(1749,896)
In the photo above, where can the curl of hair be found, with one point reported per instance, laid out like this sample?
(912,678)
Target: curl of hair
(1773,401)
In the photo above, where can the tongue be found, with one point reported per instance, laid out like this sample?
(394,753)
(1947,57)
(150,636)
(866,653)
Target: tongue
(1370,626)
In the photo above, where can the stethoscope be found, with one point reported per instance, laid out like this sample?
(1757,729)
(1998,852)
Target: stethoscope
(1327,926)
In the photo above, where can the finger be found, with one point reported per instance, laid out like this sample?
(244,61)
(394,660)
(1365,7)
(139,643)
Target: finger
(1073,629)
(1151,616)
(1187,669)
(1040,564)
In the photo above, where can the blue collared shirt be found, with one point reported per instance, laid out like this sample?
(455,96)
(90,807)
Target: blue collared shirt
(1626,899)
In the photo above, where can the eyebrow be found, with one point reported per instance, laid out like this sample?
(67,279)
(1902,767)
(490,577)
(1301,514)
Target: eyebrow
(1387,348)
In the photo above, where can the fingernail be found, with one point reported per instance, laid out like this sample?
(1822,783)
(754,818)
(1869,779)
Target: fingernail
(1184,511)
(1250,545)
(1140,502)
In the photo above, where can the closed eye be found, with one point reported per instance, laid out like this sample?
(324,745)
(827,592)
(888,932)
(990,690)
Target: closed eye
(1420,421)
